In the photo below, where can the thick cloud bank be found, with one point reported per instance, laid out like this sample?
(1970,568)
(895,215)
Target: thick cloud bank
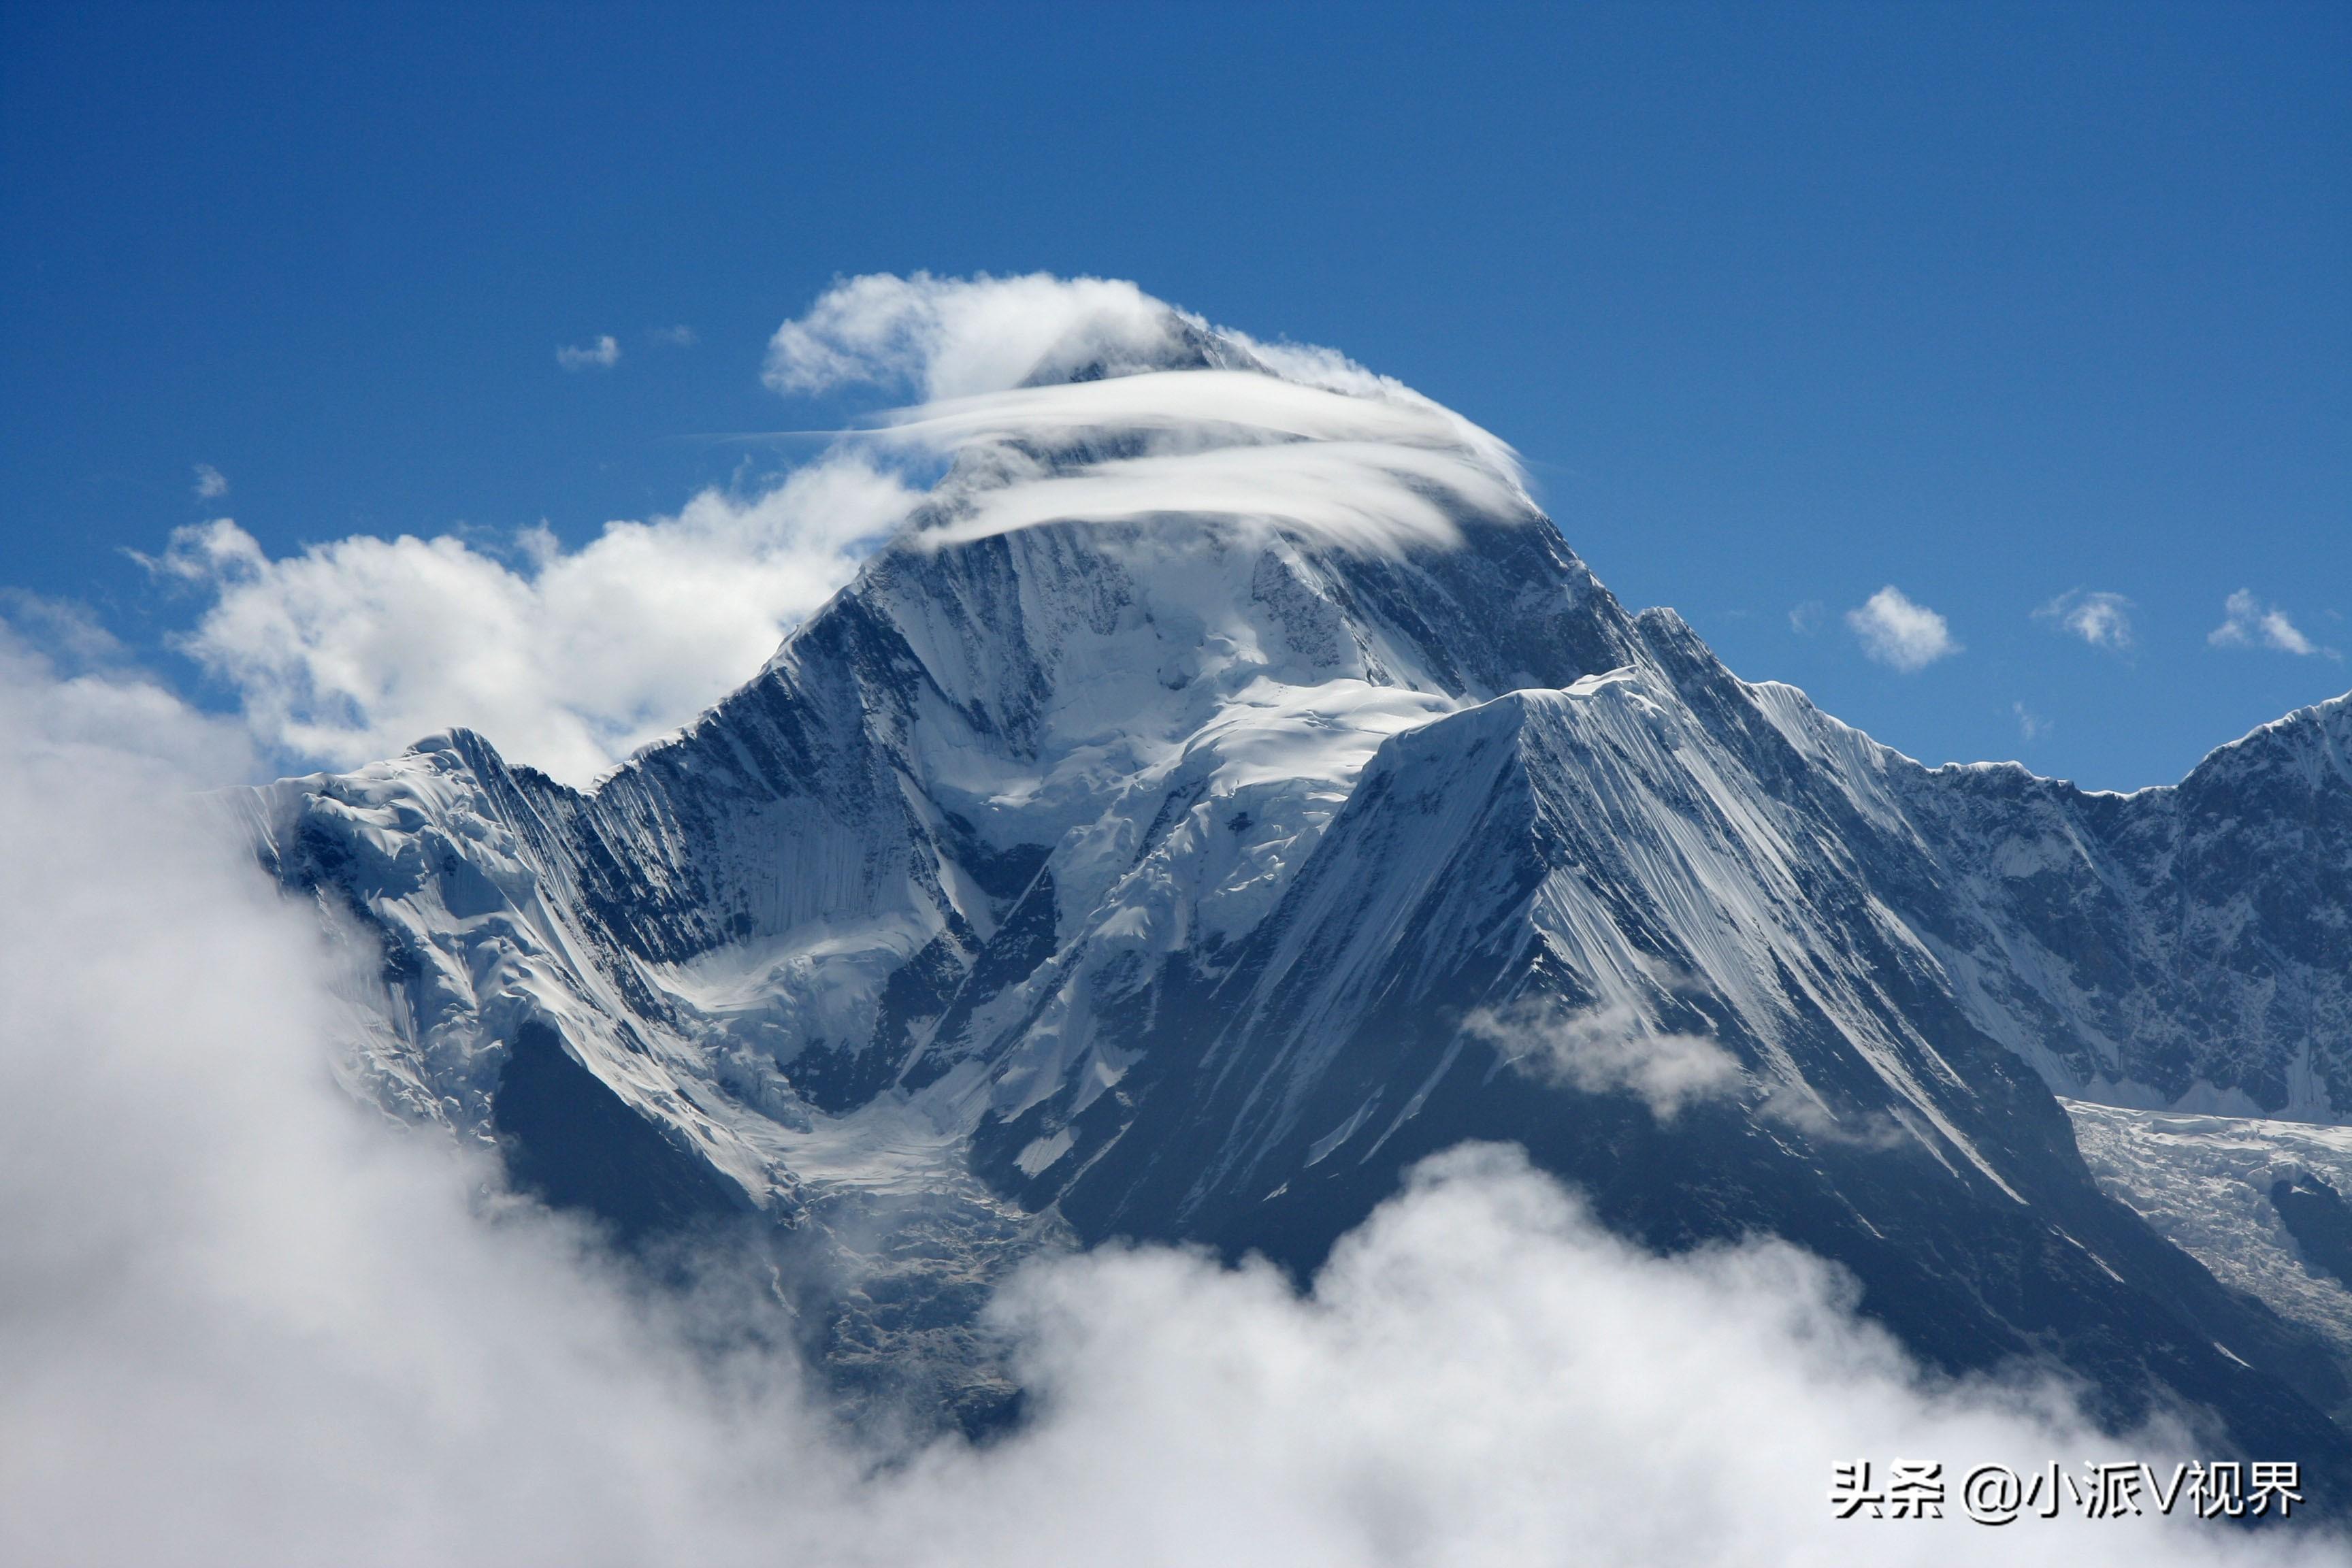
(569,659)
(244,1321)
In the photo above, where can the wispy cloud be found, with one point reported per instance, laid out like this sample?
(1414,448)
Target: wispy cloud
(2100,618)
(1150,412)
(211,483)
(2029,724)
(602,353)
(678,337)
(1611,1050)
(1806,620)
(1901,634)
(2247,622)
(1792,1106)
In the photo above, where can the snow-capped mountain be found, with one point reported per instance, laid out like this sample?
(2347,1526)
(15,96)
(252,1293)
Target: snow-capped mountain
(1230,788)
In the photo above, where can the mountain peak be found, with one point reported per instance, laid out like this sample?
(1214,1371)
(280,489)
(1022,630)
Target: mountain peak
(1229,788)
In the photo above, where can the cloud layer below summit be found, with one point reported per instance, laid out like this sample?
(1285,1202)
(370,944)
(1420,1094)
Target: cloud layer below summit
(244,1321)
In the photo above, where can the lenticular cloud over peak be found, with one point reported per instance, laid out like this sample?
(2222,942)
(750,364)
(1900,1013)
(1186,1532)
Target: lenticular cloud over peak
(1048,399)
(1086,400)
(955,337)
(956,342)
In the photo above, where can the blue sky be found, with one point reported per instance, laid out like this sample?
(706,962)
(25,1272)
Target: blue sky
(1782,304)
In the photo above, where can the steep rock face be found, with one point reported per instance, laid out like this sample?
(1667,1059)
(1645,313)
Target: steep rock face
(1185,875)
(2188,947)
(977,779)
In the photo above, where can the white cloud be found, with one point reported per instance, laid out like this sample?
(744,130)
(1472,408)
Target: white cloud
(1795,1106)
(2029,724)
(953,337)
(678,337)
(2099,617)
(1901,634)
(243,1322)
(1805,619)
(1611,1049)
(73,692)
(211,483)
(1367,495)
(1204,422)
(567,661)
(2248,622)
(602,353)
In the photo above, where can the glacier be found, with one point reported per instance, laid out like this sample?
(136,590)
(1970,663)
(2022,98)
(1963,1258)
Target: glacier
(1229,788)
(2211,1185)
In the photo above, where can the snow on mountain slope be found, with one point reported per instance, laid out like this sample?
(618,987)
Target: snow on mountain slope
(1229,787)
(848,860)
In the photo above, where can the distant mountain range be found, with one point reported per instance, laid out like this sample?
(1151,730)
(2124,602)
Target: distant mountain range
(1086,870)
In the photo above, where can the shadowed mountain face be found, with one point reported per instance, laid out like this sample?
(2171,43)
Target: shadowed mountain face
(2320,1221)
(1186,877)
